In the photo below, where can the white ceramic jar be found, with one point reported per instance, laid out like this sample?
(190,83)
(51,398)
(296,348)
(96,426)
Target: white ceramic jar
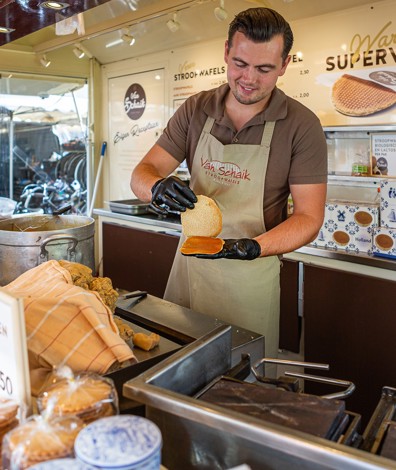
(123,442)
(62,464)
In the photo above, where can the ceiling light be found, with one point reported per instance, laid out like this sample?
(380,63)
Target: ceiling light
(220,12)
(44,61)
(54,5)
(173,24)
(78,52)
(113,43)
(128,38)
(5,30)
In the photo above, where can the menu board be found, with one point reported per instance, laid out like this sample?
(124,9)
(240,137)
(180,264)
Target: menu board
(14,366)
(343,66)
(196,68)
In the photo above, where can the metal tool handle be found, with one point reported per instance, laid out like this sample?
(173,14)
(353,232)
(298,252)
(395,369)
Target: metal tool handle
(60,236)
(350,387)
(136,293)
(269,360)
(309,365)
(62,210)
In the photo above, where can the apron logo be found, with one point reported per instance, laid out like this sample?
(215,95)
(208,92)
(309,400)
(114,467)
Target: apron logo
(224,172)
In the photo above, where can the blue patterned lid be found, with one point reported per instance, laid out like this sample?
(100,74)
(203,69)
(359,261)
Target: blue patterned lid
(118,441)
(62,464)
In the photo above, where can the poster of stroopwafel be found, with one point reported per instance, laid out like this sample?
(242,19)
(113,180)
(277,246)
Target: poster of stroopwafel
(343,66)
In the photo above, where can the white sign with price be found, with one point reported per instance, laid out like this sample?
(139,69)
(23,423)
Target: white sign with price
(14,365)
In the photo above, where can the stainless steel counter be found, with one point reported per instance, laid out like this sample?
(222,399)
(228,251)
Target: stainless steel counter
(183,325)
(170,222)
(321,254)
(340,255)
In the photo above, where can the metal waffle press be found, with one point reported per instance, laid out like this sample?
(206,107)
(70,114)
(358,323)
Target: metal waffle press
(280,401)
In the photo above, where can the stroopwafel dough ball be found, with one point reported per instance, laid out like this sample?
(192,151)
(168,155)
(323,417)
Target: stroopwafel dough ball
(204,220)
(81,275)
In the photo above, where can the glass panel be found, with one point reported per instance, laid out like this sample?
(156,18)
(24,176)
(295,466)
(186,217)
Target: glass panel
(43,143)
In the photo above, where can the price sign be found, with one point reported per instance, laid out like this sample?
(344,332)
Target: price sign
(14,365)
(383,154)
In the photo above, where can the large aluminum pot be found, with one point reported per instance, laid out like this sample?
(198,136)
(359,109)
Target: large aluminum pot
(26,242)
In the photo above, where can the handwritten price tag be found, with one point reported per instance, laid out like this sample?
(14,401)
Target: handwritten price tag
(5,383)
(14,366)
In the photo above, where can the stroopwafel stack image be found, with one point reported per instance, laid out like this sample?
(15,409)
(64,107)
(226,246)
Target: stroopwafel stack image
(354,96)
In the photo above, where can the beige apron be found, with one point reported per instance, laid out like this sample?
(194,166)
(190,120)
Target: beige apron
(243,293)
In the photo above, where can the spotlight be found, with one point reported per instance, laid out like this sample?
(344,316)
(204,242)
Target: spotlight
(173,24)
(44,61)
(78,52)
(54,5)
(128,38)
(220,12)
(5,30)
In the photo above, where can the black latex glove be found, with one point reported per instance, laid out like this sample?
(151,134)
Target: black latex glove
(244,248)
(171,194)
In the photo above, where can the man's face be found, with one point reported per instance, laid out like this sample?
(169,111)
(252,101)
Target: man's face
(253,68)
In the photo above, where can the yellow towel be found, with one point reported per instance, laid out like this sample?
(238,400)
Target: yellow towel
(66,324)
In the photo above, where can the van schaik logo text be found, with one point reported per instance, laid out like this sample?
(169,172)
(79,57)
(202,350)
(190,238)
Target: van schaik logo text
(224,172)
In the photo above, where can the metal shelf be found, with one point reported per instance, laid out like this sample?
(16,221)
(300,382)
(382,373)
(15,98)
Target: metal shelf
(349,180)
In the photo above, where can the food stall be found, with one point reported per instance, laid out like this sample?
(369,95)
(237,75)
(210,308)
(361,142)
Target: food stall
(346,322)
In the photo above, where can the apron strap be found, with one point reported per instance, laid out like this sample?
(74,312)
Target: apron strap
(208,124)
(267,134)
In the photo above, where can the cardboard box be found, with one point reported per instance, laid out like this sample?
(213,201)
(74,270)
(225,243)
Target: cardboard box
(388,203)
(348,226)
(384,241)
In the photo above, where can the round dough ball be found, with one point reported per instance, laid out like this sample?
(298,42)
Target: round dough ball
(204,220)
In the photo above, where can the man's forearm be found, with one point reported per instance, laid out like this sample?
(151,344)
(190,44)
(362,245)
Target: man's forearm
(293,233)
(143,178)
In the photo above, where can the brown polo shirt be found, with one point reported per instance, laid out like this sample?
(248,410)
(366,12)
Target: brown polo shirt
(298,148)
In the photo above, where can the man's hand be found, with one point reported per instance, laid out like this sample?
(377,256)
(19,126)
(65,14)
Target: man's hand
(171,194)
(243,248)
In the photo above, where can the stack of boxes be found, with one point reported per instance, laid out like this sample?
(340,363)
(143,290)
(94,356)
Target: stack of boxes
(348,226)
(361,227)
(384,236)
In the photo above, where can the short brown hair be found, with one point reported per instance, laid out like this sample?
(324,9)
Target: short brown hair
(261,25)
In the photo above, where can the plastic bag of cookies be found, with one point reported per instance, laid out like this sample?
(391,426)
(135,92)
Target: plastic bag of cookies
(9,417)
(86,395)
(38,439)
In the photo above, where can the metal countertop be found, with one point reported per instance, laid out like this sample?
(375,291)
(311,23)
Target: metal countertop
(172,222)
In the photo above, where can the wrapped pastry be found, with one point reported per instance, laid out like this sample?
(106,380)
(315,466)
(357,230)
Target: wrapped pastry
(8,417)
(86,395)
(38,439)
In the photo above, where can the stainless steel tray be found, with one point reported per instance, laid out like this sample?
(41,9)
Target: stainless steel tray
(129,206)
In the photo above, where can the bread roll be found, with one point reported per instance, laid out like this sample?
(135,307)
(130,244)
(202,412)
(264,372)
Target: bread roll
(204,220)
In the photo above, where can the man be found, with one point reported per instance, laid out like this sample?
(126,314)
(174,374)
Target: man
(248,146)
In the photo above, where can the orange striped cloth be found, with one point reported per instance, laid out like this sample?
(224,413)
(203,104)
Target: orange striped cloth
(66,324)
